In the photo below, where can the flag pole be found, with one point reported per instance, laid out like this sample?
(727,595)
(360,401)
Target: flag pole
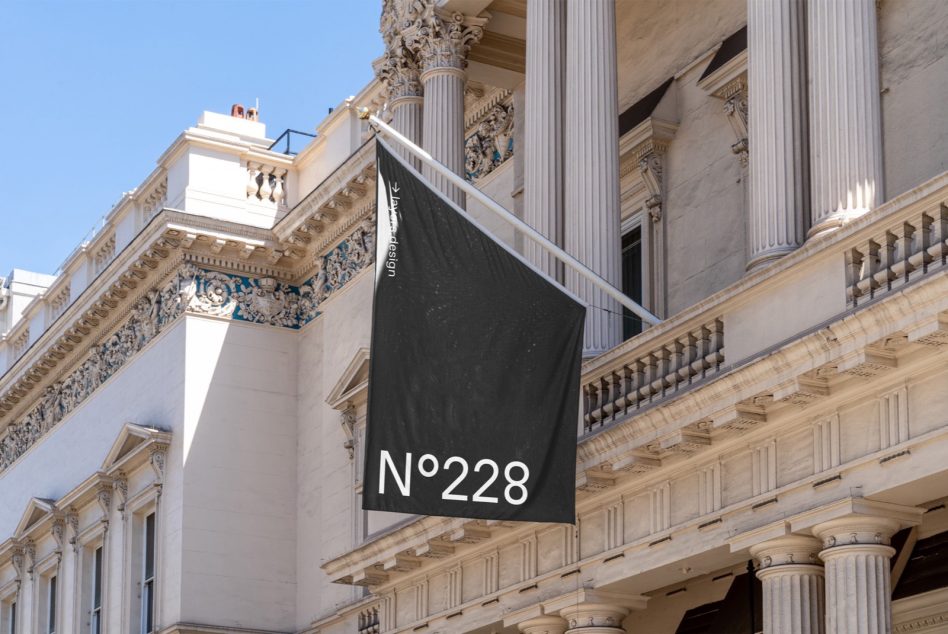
(498,209)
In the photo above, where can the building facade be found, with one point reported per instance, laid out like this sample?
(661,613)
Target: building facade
(182,406)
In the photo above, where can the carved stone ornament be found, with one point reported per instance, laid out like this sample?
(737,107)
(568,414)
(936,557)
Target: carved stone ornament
(72,518)
(348,420)
(121,487)
(104,497)
(440,39)
(491,144)
(399,72)
(156,458)
(58,530)
(262,301)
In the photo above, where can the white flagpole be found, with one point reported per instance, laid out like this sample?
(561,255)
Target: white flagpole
(495,207)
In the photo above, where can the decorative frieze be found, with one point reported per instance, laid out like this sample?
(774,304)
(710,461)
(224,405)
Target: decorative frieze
(491,144)
(191,289)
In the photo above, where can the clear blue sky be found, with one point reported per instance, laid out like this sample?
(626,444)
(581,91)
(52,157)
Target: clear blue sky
(94,91)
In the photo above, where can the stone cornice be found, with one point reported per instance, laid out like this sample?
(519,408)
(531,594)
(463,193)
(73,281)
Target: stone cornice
(634,433)
(339,202)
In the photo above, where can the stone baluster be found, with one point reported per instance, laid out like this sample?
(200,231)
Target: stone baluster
(543,128)
(791,575)
(845,111)
(592,169)
(777,128)
(856,555)
(441,40)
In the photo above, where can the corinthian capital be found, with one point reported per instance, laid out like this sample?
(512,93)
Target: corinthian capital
(442,40)
(399,72)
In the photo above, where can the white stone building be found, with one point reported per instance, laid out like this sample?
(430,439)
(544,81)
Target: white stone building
(182,407)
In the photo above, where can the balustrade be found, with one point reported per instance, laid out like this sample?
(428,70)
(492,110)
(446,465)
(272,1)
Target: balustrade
(902,253)
(647,376)
(266,183)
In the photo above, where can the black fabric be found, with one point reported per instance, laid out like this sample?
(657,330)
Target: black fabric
(474,356)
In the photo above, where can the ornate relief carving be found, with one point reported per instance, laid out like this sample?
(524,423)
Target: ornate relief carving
(121,487)
(735,107)
(156,458)
(263,301)
(440,39)
(399,72)
(72,518)
(58,530)
(491,144)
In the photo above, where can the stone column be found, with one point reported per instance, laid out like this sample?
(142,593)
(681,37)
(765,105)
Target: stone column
(543,134)
(400,74)
(441,41)
(777,112)
(594,618)
(858,590)
(791,574)
(547,624)
(845,111)
(592,164)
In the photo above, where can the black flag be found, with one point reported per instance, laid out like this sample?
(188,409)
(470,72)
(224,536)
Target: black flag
(474,374)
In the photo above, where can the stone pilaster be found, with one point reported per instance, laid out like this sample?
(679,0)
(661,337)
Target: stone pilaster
(441,41)
(856,555)
(777,123)
(592,165)
(791,575)
(845,111)
(547,624)
(543,134)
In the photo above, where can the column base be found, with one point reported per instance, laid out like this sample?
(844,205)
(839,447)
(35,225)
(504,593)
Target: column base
(766,257)
(834,221)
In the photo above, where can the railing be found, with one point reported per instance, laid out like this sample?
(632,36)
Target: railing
(369,621)
(266,183)
(653,375)
(286,140)
(904,252)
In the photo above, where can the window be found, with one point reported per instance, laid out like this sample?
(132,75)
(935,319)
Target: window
(8,615)
(95,623)
(632,279)
(148,575)
(51,607)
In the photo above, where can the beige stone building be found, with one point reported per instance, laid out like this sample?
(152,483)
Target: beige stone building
(182,406)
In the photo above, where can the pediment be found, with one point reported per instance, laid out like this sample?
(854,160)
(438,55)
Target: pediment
(129,439)
(352,383)
(36,511)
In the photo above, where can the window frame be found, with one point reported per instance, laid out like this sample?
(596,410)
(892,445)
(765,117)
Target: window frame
(97,589)
(148,578)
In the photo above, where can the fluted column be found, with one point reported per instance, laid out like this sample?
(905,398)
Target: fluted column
(845,111)
(543,134)
(858,589)
(594,618)
(791,576)
(592,164)
(777,112)
(547,624)
(441,41)
(400,74)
